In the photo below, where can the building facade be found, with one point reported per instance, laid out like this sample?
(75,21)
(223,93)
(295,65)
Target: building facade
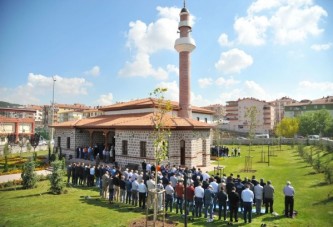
(296,109)
(238,122)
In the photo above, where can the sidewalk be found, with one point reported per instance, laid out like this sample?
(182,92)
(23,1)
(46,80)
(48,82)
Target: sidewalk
(17,176)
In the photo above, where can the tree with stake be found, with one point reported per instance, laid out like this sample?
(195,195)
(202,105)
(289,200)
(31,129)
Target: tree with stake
(160,134)
(251,116)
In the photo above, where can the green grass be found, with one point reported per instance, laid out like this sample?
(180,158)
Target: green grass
(315,208)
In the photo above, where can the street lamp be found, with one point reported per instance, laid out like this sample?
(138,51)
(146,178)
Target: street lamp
(52,119)
(187,178)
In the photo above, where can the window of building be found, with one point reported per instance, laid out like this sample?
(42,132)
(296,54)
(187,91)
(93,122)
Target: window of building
(143,148)
(125,147)
(198,118)
(59,141)
(206,119)
(68,142)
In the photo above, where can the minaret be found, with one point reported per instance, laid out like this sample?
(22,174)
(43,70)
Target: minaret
(184,45)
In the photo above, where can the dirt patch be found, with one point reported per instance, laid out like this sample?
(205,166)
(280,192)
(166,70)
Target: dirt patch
(142,223)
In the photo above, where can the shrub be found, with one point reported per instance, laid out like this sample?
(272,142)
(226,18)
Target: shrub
(317,164)
(328,172)
(28,175)
(5,167)
(57,185)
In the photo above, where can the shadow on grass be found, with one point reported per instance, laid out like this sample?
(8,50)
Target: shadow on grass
(33,195)
(324,202)
(11,189)
(323,183)
(273,218)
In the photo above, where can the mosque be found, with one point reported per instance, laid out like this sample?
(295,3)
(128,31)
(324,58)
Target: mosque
(126,127)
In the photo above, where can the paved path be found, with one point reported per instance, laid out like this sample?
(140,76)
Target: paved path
(17,176)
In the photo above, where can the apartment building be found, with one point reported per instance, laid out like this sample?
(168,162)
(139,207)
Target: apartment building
(295,108)
(279,106)
(236,111)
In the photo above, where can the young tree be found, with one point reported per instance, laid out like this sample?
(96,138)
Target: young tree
(161,133)
(6,152)
(251,116)
(28,175)
(56,178)
(288,127)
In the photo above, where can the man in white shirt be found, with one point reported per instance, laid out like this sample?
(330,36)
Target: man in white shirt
(247,197)
(142,194)
(198,194)
(215,187)
(258,193)
(150,186)
(169,194)
(289,193)
(135,186)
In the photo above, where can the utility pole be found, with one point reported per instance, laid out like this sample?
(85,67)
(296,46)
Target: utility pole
(52,117)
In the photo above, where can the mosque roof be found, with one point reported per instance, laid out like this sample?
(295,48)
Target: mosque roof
(132,121)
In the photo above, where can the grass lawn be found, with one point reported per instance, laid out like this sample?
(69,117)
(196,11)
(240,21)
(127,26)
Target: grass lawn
(313,199)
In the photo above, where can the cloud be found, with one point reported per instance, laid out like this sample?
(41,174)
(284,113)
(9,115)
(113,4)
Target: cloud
(141,67)
(247,89)
(104,100)
(251,30)
(173,69)
(321,47)
(205,82)
(226,82)
(95,71)
(295,22)
(147,39)
(223,40)
(173,94)
(310,86)
(173,90)
(289,21)
(38,86)
(233,61)
(261,5)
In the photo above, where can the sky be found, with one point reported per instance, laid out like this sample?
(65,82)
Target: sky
(100,52)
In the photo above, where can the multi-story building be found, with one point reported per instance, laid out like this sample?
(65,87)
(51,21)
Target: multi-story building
(237,121)
(279,106)
(93,112)
(38,115)
(295,108)
(17,121)
(219,112)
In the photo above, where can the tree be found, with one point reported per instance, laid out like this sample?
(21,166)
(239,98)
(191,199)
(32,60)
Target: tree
(57,184)
(319,123)
(28,175)
(251,116)
(160,134)
(288,127)
(6,152)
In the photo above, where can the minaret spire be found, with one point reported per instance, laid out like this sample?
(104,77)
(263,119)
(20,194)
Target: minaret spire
(185,45)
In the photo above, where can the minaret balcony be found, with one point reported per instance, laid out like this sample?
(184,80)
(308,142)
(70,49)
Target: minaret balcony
(185,44)
(185,23)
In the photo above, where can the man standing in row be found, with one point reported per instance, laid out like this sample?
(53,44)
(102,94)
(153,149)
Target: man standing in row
(289,193)
(247,196)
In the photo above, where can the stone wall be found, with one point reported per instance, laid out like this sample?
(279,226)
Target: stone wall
(197,147)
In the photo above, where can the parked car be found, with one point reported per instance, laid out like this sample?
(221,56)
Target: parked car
(313,137)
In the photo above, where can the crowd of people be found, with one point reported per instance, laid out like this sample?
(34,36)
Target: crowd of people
(205,195)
